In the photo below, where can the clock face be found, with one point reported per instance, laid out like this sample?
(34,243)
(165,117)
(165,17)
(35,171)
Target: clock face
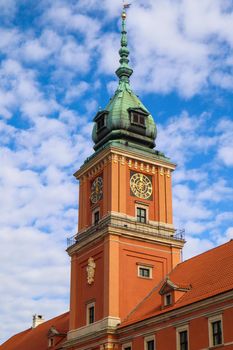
(96,190)
(141,186)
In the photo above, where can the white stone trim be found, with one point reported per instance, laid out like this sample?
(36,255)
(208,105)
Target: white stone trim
(127,345)
(149,268)
(165,299)
(210,321)
(142,206)
(106,323)
(88,306)
(178,331)
(148,338)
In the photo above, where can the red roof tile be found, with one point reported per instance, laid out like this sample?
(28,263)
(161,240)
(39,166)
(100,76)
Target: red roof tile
(37,336)
(208,274)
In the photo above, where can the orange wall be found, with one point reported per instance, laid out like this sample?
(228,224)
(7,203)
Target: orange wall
(133,288)
(117,196)
(83,293)
(165,332)
(116,276)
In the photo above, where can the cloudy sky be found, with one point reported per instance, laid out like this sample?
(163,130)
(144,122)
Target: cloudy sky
(57,63)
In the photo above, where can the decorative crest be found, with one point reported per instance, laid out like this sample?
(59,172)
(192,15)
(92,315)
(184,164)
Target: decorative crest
(91,265)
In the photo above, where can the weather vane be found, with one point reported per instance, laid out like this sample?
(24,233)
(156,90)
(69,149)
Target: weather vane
(126,5)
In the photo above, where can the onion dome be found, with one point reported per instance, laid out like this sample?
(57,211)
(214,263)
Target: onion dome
(125,117)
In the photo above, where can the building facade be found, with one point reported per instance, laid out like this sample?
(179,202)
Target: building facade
(129,288)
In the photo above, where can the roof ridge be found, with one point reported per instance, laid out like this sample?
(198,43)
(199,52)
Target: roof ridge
(203,253)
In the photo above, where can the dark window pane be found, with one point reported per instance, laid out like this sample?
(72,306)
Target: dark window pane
(91,314)
(135,118)
(150,345)
(141,215)
(101,123)
(184,340)
(96,217)
(217,332)
(142,120)
(144,272)
(168,299)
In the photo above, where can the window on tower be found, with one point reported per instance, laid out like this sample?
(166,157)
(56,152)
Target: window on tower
(96,216)
(138,119)
(141,215)
(144,271)
(90,313)
(101,122)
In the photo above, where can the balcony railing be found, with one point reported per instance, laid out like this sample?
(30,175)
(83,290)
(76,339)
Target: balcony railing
(115,221)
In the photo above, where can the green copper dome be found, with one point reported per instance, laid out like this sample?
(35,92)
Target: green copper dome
(125,117)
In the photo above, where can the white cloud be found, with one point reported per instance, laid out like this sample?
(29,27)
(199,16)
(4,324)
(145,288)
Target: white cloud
(45,69)
(225,142)
(77,91)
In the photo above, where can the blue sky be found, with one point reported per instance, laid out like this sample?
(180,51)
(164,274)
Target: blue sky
(57,63)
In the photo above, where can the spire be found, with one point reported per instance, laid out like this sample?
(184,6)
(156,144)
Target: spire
(125,118)
(124,71)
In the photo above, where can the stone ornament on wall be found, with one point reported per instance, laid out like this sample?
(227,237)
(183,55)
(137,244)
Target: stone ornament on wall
(91,270)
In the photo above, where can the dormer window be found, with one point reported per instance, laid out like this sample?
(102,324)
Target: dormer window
(167,299)
(101,122)
(138,119)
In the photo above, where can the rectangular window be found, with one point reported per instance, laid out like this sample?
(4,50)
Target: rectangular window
(144,272)
(183,335)
(127,346)
(141,215)
(138,119)
(149,343)
(217,332)
(168,299)
(101,123)
(90,313)
(96,217)
(182,338)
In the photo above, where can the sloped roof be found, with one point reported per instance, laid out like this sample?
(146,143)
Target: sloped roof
(207,274)
(38,337)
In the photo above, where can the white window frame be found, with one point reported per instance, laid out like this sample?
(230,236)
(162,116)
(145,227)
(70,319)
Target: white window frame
(146,208)
(147,339)
(51,342)
(165,299)
(211,320)
(127,345)
(145,267)
(178,331)
(88,306)
(93,215)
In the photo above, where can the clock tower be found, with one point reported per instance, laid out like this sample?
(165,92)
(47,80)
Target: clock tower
(126,242)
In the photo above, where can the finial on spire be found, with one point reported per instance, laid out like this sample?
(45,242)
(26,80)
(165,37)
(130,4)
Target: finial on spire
(124,71)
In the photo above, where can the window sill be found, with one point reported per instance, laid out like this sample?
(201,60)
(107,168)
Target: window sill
(215,346)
